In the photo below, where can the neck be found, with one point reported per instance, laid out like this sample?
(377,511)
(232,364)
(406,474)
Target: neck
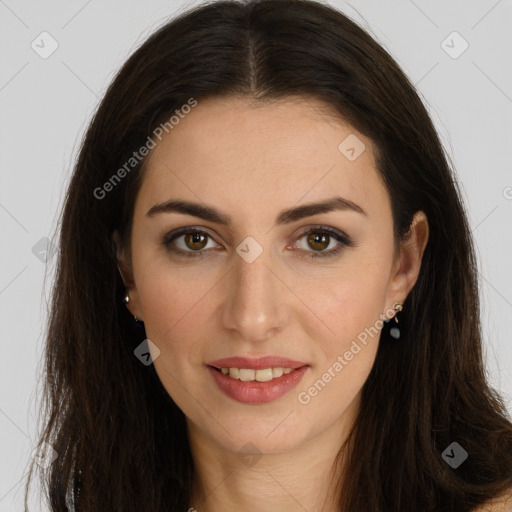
(304,478)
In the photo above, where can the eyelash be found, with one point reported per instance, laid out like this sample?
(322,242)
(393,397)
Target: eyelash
(344,241)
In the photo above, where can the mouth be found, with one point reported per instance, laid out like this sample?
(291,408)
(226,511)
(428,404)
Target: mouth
(256,386)
(254,375)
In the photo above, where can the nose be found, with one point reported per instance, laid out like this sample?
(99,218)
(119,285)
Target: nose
(255,305)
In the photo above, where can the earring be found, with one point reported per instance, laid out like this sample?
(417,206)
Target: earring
(398,307)
(395,331)
(138,323)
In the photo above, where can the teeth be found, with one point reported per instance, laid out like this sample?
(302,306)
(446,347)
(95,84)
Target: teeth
(277,372)
(247,375)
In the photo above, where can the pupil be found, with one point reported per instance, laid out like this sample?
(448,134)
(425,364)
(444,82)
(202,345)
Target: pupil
(319,239)
(196,238)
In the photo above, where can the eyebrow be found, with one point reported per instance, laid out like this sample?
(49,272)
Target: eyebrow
(285,217)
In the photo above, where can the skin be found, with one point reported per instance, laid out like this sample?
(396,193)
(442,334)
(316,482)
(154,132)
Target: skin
(251,162)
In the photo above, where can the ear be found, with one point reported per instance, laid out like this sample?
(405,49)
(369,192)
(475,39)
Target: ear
(123,263)
(407,266)
(125,269)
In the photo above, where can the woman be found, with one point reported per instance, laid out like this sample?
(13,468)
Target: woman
(266,296)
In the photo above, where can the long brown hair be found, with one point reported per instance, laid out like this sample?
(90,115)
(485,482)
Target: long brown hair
(121,441)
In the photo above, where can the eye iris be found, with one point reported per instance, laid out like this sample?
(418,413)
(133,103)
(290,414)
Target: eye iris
(318,240)
(195,238)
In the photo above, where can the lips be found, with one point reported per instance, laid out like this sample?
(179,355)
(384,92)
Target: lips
(257,392)
(256,364)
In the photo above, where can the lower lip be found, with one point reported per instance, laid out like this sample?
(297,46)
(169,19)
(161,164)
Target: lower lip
(255,392)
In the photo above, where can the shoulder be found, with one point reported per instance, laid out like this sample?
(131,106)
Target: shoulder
(500,504)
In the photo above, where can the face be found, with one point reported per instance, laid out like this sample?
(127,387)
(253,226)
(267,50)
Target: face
(265,276)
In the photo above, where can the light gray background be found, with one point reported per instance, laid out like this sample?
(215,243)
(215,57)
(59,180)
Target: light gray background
(45,105)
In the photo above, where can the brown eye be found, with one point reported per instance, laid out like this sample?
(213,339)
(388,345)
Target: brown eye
(318,242)
(195,241)
(188,242)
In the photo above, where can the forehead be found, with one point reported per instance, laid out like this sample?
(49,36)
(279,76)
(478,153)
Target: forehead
(229,150)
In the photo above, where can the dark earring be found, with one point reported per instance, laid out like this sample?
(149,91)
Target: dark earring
(395,330)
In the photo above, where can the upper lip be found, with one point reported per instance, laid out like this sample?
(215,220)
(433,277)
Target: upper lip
(256,364)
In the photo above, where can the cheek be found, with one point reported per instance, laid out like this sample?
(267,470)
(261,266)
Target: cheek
(349,302)
(175,305)
(351,308)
